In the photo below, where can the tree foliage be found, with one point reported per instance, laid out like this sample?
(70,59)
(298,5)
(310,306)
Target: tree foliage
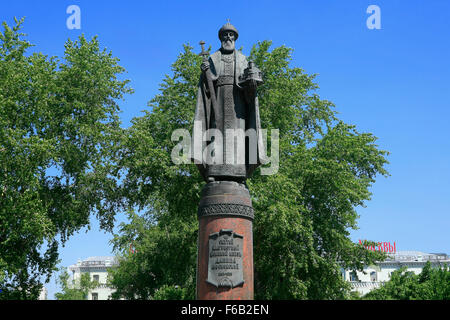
(430,284)
(59,132)
(302,214)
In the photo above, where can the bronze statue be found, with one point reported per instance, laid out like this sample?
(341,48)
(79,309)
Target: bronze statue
(227,106)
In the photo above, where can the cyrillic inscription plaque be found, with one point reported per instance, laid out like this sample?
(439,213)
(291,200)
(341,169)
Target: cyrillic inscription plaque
(225,259)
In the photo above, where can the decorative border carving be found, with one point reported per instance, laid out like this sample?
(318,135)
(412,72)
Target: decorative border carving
(226,209)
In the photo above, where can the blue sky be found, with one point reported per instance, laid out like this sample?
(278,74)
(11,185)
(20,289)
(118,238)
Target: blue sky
(393,82)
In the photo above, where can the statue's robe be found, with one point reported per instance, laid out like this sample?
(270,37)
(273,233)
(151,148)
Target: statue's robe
(238,109)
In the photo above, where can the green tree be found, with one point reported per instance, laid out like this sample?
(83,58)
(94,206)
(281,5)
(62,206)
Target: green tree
(77,290)
(302,214)
(59,132)
(430,284)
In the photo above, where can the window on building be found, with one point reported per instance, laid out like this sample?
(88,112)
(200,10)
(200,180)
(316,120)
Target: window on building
(353,276)
(96,277)
(94,296)
(373,276)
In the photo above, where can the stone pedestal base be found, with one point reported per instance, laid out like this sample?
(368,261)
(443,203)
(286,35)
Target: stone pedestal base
(225,243)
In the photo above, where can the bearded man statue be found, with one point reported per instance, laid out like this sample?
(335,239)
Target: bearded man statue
(228,143)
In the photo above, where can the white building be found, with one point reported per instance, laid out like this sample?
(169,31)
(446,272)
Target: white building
(97,267)
(375,275)
(43,294)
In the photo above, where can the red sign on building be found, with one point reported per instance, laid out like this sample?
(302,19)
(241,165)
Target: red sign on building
(379,246)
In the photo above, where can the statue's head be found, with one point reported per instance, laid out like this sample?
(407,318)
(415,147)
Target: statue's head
(228,34)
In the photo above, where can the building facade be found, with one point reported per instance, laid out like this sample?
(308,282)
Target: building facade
(43,294)
(98,269)
(374,276)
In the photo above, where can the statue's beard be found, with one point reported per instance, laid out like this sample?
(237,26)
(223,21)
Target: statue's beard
(228,45)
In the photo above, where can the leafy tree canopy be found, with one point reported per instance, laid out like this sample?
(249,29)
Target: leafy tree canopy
(59,132)
(302,214)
